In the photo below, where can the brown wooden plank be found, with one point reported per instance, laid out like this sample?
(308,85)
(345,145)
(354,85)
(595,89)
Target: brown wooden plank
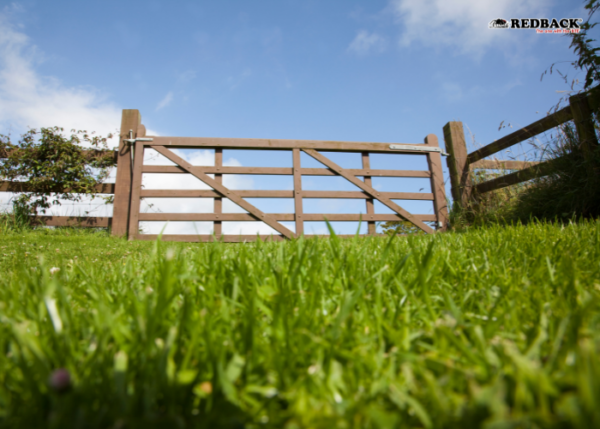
(8,186)
(206,193)
(531,130)
(460,179)
(203,193)
(366,165)
(247,217)
(218,207)
(75,221)
(130,120)
(225,191)
(243,143)
(297,192)
(136,188)
(287,171)
(240,238)
(89,154)
(440,205)
(205,238)
(493,164)
(539,170)
(375,194)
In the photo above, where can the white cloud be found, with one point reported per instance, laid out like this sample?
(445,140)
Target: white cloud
(165,101)
(365,43)
(461,24)
(31,100)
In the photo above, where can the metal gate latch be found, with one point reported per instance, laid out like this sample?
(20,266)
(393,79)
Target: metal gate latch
(418,148)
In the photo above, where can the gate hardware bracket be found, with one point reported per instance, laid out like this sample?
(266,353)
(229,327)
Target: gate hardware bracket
(419,148)
(131,140)
(139,139)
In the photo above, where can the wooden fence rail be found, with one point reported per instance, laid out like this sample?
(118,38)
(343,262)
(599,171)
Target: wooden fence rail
(461,163)
(77,221)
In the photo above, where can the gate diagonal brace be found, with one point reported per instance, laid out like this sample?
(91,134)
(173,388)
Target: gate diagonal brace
(369,190)
(227,193)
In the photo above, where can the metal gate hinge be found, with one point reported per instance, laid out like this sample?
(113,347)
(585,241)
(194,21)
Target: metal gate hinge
(131,140)
(418,148)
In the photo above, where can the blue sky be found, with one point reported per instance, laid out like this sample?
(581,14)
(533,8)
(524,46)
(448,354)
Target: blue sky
(379,70)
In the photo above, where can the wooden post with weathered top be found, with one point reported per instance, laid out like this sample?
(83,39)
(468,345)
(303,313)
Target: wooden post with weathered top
(454,137)
(584,122)
(130,121)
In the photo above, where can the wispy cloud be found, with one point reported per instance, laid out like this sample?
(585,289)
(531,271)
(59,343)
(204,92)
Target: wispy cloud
(236,81)
(365,43)
(165,101)
(32,100)
(461,24)
(452,91)
(187,76)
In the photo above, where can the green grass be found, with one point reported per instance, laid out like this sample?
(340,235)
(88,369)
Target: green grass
(496,328)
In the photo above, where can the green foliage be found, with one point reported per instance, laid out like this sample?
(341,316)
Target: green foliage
(570,191)
(53,166)
(588,58)
(496,327)
(490,208)
(400,228)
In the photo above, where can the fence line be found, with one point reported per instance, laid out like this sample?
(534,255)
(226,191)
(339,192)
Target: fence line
(78,221)
(461,163)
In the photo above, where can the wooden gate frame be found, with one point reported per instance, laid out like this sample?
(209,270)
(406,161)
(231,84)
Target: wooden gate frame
(131,168)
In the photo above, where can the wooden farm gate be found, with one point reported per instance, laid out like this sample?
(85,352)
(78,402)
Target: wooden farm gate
(129,190)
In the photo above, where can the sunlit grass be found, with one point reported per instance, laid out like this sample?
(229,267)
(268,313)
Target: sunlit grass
(496,326)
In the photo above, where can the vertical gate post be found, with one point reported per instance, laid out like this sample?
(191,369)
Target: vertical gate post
(297,192)
(460,178)
(584,122)
(366,165)
(218,206)
(434,160)
(136,190)
(130,120)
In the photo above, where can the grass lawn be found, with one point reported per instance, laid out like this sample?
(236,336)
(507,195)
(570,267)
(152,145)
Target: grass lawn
(496,328)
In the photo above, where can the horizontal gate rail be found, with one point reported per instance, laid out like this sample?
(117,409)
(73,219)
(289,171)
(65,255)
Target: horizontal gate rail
(200,217)
(200,193)
(236,238)
(279,144)
(282,171)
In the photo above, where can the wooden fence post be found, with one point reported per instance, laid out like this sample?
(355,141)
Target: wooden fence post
(584,122)
(218,202)
(130,120)
(460,178)
(434,160)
